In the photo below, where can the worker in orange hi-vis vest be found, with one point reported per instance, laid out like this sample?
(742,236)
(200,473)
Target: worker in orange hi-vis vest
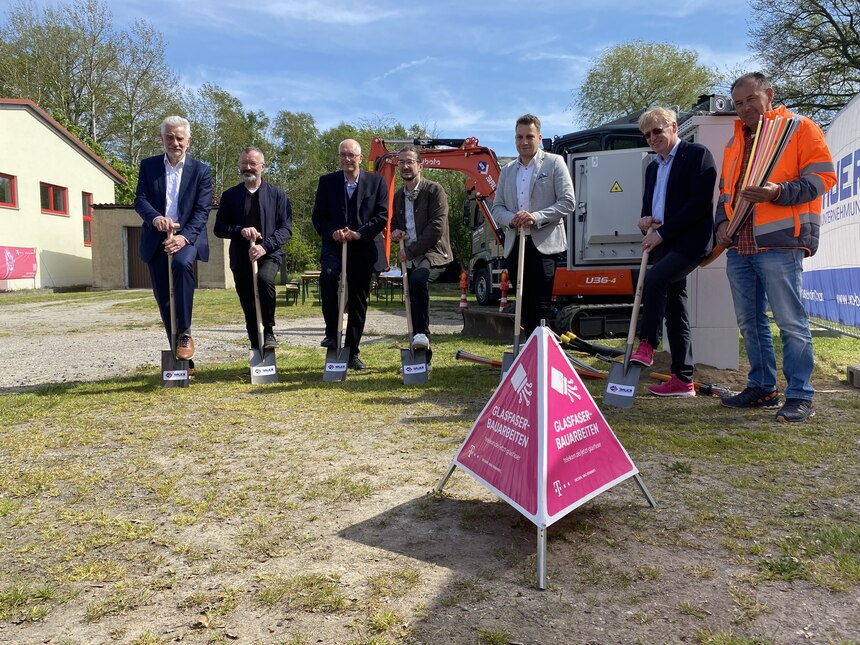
(764,262)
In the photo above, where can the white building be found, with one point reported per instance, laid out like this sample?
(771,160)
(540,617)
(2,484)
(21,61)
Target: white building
(49,181)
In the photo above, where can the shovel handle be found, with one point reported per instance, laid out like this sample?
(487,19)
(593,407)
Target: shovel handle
(257,308)
(518,309)
(407,299)
(341,297)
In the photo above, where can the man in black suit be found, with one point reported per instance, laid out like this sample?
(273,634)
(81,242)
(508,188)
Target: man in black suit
(351,207)
(258,220)
(174,188)
(678,202)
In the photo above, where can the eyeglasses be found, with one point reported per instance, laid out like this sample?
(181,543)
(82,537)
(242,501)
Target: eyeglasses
(349,155)
(656,132)
(407,162)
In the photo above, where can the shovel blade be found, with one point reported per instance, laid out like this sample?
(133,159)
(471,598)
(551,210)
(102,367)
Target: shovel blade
(335,364)
(414,365)
(174,373)
(263,367)
(621,385)
(507,361)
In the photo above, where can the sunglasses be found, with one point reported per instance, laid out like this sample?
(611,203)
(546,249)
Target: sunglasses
(656,132)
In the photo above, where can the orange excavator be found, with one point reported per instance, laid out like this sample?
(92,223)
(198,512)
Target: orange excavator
(590,301)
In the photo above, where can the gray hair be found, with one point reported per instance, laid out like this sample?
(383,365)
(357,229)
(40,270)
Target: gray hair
(175,122)
(655,114)
(250,149)
(761,81)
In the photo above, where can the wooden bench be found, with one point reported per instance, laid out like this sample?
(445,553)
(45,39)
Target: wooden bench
(292,292)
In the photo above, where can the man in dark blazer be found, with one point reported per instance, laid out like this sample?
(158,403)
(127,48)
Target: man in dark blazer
(420,224)
(258,220)
(678,205)
(351,207)
(174,188)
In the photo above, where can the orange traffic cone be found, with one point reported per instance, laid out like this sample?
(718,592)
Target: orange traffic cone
(464,284)
(504,284)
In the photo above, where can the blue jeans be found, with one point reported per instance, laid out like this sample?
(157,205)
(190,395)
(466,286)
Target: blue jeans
(772,277)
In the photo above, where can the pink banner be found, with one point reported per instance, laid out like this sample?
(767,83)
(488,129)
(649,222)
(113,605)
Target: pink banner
(502,449)
(541,442)
(17,262)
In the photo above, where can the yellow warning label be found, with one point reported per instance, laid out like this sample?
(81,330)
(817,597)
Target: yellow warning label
(616,188)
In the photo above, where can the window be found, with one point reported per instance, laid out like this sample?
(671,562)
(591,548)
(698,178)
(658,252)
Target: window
(53,199)
(8,197)
(87,210)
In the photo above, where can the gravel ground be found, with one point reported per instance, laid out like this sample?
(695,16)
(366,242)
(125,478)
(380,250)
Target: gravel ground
(73,340)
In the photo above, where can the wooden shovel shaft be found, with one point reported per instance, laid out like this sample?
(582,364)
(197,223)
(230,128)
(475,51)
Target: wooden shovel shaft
(518,308)
(341,297)
(172,297)
(407,299)
(257,308)
(637,300)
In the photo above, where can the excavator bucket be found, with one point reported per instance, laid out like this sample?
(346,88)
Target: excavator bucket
(488,324)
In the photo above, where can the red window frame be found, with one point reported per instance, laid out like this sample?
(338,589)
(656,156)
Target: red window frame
(53,192)
(13,189)
(87,210)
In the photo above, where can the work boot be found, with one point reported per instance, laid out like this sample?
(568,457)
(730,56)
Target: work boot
(185,347)
(644,354)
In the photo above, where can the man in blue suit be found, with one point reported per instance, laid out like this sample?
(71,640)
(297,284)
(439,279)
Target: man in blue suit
(351,207)
(174,189)
(679,201)
(258,220)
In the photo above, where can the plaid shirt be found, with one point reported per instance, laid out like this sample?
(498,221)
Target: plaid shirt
(746,237)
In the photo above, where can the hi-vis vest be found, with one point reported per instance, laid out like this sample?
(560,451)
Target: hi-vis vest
(806,156)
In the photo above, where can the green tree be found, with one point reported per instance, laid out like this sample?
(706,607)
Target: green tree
(811,51)
(141,100)
(220,129)
(636,75)
(70,60)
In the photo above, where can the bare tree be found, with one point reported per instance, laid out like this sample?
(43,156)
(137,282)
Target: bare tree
(811,50)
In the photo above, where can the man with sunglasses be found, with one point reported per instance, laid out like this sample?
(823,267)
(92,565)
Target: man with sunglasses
(677,221)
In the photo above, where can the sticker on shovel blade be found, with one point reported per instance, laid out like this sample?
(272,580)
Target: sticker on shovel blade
(621,390)
(415,369)
(335,367)
(176,375)
(267,370)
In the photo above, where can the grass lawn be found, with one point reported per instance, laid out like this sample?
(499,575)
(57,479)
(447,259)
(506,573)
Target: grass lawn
(299,513)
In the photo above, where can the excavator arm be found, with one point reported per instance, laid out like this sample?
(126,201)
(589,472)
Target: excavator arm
(478,163)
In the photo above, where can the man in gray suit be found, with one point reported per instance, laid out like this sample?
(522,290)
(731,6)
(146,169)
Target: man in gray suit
(535,194)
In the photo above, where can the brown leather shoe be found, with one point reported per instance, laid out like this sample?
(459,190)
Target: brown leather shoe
(185,347)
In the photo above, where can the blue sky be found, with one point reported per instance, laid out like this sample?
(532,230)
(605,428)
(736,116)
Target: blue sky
(461,68)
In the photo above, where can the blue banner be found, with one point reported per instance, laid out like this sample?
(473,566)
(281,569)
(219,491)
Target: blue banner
(833,294)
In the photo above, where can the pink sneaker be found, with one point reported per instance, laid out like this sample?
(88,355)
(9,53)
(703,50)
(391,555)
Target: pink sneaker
(644,354)
(673,387)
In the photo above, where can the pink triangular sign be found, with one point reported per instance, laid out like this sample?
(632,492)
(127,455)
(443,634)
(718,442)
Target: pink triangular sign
(541,443)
